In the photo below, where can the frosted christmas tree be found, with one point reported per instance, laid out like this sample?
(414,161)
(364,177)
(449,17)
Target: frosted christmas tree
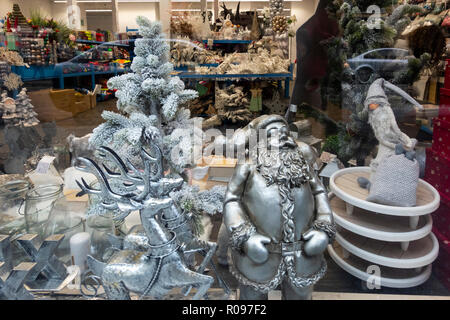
(152,111)
(150,100)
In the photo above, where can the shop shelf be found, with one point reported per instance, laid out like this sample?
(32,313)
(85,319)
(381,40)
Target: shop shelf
(389,277)
(398,239)
(35,72)
(110,43)
(420,253)
(236,76)
(228,41)
(379,226)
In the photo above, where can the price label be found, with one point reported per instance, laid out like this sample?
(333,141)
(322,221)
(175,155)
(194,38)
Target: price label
(44,164)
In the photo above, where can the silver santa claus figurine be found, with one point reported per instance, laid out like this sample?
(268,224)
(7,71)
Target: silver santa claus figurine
(277,214)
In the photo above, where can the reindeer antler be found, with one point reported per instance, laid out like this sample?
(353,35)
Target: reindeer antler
(140,180)
(111,155)
(144,183)
(110,199)
(157,161)
(130,182)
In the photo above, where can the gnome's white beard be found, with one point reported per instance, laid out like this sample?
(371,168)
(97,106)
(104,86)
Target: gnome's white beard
(387,132)
(381,120)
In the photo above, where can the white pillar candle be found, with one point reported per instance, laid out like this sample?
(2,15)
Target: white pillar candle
(80,247)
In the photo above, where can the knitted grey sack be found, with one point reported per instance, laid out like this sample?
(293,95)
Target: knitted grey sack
(395,182)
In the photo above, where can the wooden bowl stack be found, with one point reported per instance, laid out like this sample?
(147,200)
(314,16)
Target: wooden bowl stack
(382,245)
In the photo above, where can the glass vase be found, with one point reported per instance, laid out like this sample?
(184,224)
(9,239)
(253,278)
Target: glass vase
(39,202)
(100,227)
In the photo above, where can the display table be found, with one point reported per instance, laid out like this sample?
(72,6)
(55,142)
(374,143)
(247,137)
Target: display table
(397,239)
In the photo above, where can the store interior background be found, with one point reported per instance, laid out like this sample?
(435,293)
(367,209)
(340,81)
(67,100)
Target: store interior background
(154,10)
(128,10)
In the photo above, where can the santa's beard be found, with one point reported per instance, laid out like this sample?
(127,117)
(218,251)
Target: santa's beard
(284,167)
(287,169)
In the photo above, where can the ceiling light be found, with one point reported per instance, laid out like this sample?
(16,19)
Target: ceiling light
(98,10)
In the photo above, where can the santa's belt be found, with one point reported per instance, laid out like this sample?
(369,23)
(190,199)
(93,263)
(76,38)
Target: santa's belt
(284,247)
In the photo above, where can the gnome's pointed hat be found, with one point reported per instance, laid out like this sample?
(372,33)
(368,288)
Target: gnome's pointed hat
(376,93)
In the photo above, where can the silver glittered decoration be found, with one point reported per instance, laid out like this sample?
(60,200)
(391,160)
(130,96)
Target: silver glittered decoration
(5,254)
(12,279)
(278,216)
(150,264)
(47,264)
(172,218)
(13,287)
(43,272)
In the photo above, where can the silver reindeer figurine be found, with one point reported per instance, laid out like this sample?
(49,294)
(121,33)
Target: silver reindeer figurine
(171,217)
(161,267)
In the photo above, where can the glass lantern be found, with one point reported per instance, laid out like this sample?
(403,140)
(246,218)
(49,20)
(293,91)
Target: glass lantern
(39,202)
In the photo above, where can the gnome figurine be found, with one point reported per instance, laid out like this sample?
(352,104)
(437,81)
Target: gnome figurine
(383,123)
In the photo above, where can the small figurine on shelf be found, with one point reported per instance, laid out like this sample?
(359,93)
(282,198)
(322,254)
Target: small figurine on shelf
(26,109)
(19,111)
(79,147)
(277,214)
(228,29)
(8,106)
(256,100)
(255,31)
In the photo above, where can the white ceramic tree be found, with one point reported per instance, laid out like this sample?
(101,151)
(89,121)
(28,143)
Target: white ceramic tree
(26,109)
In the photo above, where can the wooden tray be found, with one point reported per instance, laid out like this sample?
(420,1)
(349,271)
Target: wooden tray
(379,226)
(344,185)
(389,277)
(420,252)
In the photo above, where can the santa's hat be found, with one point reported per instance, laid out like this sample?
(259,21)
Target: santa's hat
(264,120)
(376,93)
